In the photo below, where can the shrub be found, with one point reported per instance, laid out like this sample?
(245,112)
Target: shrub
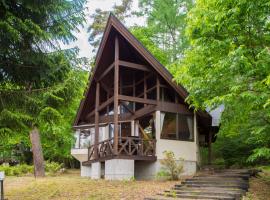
(53,168)
(16,170)
(170,167)
(163,175)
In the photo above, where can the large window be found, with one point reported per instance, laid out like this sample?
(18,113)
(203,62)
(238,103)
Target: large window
(176,126)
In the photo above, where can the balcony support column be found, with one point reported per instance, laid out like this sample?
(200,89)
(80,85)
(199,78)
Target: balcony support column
(97,120)
(116,93)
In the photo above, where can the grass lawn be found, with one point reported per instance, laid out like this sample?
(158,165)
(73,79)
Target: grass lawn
(72,186)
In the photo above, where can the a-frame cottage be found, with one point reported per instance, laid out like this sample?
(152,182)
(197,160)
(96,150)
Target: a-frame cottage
(132,112)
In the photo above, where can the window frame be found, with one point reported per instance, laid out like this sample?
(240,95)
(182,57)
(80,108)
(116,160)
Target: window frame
(177,127)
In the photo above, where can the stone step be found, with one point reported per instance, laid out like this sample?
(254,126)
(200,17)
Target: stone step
(233,170)
(216,186)
(216,178)
(159,197)
(209,189)
(214,181)
(235,194)
(243,176)
(198,196)
(245,183)
(211,184)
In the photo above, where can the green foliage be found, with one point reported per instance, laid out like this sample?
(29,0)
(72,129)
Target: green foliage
(162,175)
(166,20)
(40,84)
(170,166)
(17,170)
(145,36)
(100,18)
(29,40)
(52,168)
(229,63)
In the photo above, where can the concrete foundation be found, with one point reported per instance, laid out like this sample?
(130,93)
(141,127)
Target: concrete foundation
(145,170)
(85,171)
(96,170)
(119,169)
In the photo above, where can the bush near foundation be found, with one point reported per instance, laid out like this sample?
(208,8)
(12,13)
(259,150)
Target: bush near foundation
(171,169)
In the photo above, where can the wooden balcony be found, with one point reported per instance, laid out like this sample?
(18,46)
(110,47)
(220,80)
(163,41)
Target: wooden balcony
(133,148)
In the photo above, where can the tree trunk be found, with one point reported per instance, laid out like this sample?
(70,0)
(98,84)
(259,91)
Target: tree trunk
(38,159)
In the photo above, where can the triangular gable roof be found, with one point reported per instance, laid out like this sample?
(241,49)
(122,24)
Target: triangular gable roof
(114,23)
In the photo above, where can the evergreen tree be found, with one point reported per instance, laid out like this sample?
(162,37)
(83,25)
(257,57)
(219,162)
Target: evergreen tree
(33,70)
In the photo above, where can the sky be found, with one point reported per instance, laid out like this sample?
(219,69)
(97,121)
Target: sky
(82,36)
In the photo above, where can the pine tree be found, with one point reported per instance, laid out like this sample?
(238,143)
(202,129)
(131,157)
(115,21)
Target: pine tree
(32,65)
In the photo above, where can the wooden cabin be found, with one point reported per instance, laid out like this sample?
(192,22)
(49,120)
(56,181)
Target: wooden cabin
(132,112)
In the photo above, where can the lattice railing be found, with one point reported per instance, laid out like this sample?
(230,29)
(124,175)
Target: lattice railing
(127,146)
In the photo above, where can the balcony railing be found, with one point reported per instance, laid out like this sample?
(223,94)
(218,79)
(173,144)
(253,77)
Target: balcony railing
(128,147)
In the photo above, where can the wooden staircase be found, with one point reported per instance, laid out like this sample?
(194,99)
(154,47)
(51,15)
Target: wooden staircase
(211,184)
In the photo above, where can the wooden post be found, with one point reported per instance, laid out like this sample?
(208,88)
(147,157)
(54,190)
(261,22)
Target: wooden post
(107,107)
(133,91)
(210,148)
(97,120)
(79,138)
(144,87)
(116,93)
(158,89)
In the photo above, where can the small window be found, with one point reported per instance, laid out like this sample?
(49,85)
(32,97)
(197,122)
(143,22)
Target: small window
(168,125)
(176,126)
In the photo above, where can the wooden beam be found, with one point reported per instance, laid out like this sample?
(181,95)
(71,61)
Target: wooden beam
(106,103)
(97,120)
(105,87)
(90,114)
(133,65)
(138,100)
(173,107)
(116,95)
(141,81)
(144,111)
(103,105)
(110,118)
(158,89)
(123,103)
(148,90)
(106,71)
